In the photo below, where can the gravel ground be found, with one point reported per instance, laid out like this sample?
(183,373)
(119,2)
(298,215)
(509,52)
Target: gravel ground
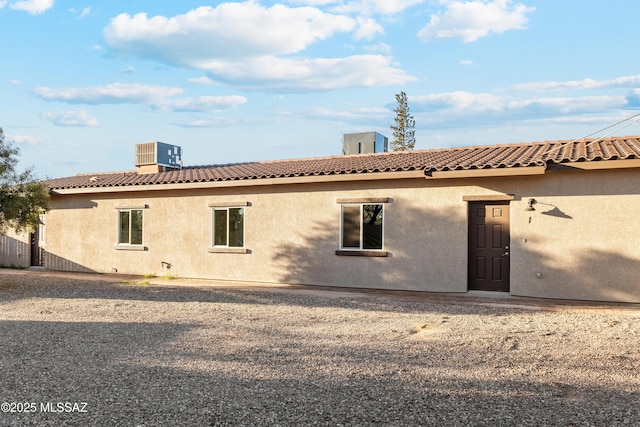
(76,351)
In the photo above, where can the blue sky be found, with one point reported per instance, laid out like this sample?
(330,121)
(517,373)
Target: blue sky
(82,82)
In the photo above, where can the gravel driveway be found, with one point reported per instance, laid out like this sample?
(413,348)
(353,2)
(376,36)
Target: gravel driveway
(77,351)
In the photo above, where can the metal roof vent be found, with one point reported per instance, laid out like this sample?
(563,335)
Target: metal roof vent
(154,157)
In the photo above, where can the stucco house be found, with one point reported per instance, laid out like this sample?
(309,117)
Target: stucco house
(552,220)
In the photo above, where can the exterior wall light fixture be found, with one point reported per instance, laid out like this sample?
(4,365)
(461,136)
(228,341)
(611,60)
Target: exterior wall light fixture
(530,205)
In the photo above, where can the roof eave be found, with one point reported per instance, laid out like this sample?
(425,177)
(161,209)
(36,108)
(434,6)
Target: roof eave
(369,176)
(489,172)
(602,164)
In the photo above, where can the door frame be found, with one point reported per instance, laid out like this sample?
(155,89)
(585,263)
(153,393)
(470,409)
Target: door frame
(36,255)
(505,286)
(36,251)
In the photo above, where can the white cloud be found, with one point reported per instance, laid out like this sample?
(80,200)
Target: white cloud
(34,7)
(228,30)
(459,100)
(471,20)
(311,2)
(290,75)
(24,139)
(467,62)
(469,103)
(79,118)
(201,80)
(208,123)
(355,115)
(156,97)
(468,110)
(626,81)
(568,105)
(115,93)
(367,28)
(381,47)
(129,70)
(83,13)
(464,109)
(249,45)
(15,82)
(202,103)
(383,7)
(585,102)
(3,3)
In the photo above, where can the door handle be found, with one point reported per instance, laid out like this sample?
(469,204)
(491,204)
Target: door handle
(506,251)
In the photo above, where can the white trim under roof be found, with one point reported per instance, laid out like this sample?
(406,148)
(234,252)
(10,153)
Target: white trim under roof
(478,173)
(369,176)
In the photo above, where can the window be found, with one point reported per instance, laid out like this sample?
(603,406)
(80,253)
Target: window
(362,226)
(130,227)
(228,227)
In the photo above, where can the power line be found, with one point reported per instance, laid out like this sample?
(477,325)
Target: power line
(631,119)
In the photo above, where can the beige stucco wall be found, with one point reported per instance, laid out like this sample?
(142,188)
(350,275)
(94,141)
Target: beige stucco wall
(583,238)
(589,250)
(291,231)
(14,249)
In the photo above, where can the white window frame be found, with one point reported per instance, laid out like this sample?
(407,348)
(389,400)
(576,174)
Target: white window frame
(361,239)
(213,226)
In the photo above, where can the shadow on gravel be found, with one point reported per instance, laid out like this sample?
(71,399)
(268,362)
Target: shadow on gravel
(48,362)
(258,357)
(141,374)
(16,287)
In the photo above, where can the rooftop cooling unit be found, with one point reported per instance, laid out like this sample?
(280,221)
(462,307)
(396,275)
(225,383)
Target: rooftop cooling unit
(364,142)
(159,153)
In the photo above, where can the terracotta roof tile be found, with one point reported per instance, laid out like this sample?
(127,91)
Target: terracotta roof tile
(477,157)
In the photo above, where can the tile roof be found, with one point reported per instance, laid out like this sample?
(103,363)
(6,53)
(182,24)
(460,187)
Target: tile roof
(445,159)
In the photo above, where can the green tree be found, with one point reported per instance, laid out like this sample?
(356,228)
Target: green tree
(22,198)
(404,134)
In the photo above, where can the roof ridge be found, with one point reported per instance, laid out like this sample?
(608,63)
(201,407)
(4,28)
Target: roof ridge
(213,165)
(105,173)
(336,156)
